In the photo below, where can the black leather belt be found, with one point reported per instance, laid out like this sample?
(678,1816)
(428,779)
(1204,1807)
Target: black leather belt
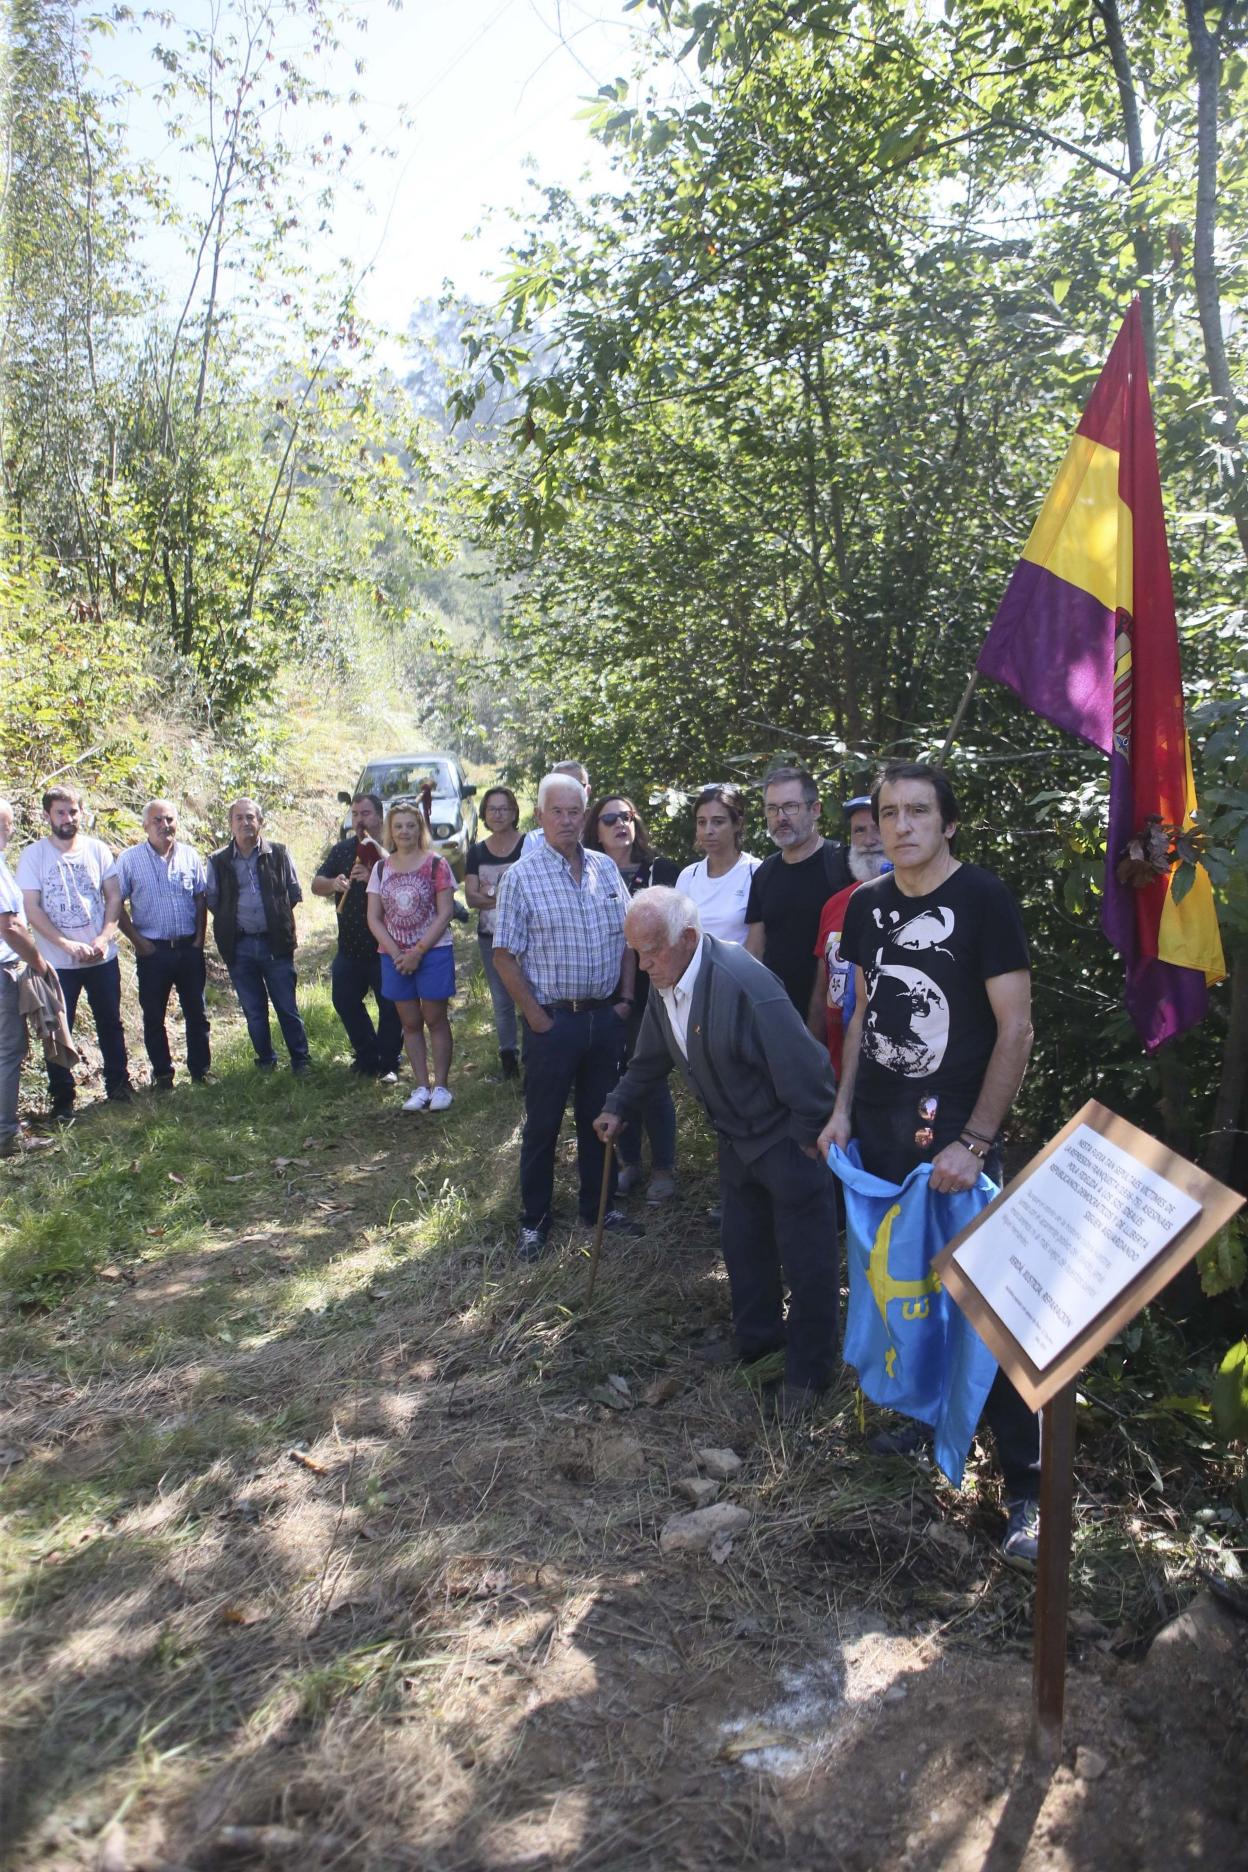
(575,1007)
(169,942)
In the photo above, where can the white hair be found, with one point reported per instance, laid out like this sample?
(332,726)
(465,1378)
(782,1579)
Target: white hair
(6,806)
(577,769)
(557,779)
(671,910)
(159,800)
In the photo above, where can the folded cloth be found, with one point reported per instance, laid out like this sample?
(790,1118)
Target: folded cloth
(41,999)
(912,1348)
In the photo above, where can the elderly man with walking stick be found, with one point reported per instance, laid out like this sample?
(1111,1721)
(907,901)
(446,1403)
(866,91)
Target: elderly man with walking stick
(766,1085)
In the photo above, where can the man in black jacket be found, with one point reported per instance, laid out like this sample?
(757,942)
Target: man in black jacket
(252,893)
(767,1088)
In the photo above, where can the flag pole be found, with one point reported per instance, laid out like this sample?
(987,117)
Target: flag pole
(956,723)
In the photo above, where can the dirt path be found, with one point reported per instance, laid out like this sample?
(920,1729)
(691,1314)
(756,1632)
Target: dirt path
(333,1542)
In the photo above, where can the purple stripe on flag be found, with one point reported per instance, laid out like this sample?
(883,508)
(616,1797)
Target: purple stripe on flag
(1161,998)
(1164,1000)
(1052,643)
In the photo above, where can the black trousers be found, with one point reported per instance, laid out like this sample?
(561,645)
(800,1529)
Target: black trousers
(778,1230)
(180,966)
(351,980)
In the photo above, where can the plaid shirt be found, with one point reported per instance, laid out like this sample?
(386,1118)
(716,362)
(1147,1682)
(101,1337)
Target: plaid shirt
(567,937)
(162,896)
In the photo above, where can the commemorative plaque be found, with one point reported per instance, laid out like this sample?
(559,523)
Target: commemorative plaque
(1059,1263)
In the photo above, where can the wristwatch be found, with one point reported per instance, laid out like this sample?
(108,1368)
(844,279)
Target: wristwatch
(976,1149)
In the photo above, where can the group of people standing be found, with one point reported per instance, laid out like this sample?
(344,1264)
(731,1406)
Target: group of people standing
(877,990)
(72,896)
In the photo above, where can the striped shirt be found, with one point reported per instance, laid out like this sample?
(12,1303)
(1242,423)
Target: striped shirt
(163,893)
(567,937)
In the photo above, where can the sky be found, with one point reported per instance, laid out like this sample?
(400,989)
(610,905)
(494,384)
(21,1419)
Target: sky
(493,88)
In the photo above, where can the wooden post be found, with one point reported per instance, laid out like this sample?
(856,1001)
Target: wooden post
(1057,1488)
(958,719)
(596,1250)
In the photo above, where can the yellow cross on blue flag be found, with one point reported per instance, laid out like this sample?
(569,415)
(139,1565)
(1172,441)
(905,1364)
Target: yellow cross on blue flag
(912,1348)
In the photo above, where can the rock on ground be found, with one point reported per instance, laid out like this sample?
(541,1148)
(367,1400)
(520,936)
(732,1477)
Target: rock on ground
(693,1533)
(720,1463)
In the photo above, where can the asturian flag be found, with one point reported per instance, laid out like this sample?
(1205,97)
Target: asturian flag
(912,1348)
(1086,637)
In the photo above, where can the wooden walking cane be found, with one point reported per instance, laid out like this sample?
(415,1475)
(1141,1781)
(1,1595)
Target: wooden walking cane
(596,1250)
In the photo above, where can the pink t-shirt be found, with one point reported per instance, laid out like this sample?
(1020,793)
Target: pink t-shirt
(409,899)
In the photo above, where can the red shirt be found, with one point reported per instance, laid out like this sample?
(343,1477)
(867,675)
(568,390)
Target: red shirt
(828,946)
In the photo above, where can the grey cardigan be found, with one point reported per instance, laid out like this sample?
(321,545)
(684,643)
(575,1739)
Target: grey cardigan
(757,1071)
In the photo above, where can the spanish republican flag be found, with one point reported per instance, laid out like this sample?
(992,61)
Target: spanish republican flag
(1086,637)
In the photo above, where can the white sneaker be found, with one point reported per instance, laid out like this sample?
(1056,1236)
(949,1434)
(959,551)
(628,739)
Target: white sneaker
(388,1078)
(419,1100)
(441,1099)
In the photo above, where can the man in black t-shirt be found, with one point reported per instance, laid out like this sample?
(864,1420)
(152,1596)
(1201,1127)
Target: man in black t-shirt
(356,968)
(789,889)
(938,1044)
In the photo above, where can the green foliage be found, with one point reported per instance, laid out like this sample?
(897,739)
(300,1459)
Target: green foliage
(1222,1262)
(784,406)
(214,460)
(1230,1394)
(72,682)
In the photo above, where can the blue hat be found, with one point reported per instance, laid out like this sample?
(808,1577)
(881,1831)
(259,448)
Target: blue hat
(855,805)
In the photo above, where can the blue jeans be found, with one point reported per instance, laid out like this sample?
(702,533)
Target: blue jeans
(580,1055)
(503,1005)
(102,987)
(179,966)
(351,981)
(12,1053)
(259,977)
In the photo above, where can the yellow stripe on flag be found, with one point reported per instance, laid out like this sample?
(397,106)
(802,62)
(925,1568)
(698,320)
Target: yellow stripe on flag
(1083,533)
(1188,933)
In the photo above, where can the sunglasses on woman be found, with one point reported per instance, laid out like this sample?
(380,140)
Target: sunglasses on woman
(613,818)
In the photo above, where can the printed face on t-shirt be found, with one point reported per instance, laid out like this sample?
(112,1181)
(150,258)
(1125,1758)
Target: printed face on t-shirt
(907,1027)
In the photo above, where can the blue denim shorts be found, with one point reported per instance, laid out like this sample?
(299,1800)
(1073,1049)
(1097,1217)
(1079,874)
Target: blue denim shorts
(434,980)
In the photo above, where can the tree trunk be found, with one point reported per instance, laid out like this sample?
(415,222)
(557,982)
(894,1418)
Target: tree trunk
(1141,239)
(1227,1133)
(1207,60)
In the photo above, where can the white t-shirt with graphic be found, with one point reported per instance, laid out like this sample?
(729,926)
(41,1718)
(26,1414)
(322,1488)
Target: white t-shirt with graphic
(71,893)
(721,901)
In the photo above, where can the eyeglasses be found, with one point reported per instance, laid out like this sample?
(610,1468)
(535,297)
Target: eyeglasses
(787,808)
(613,818)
